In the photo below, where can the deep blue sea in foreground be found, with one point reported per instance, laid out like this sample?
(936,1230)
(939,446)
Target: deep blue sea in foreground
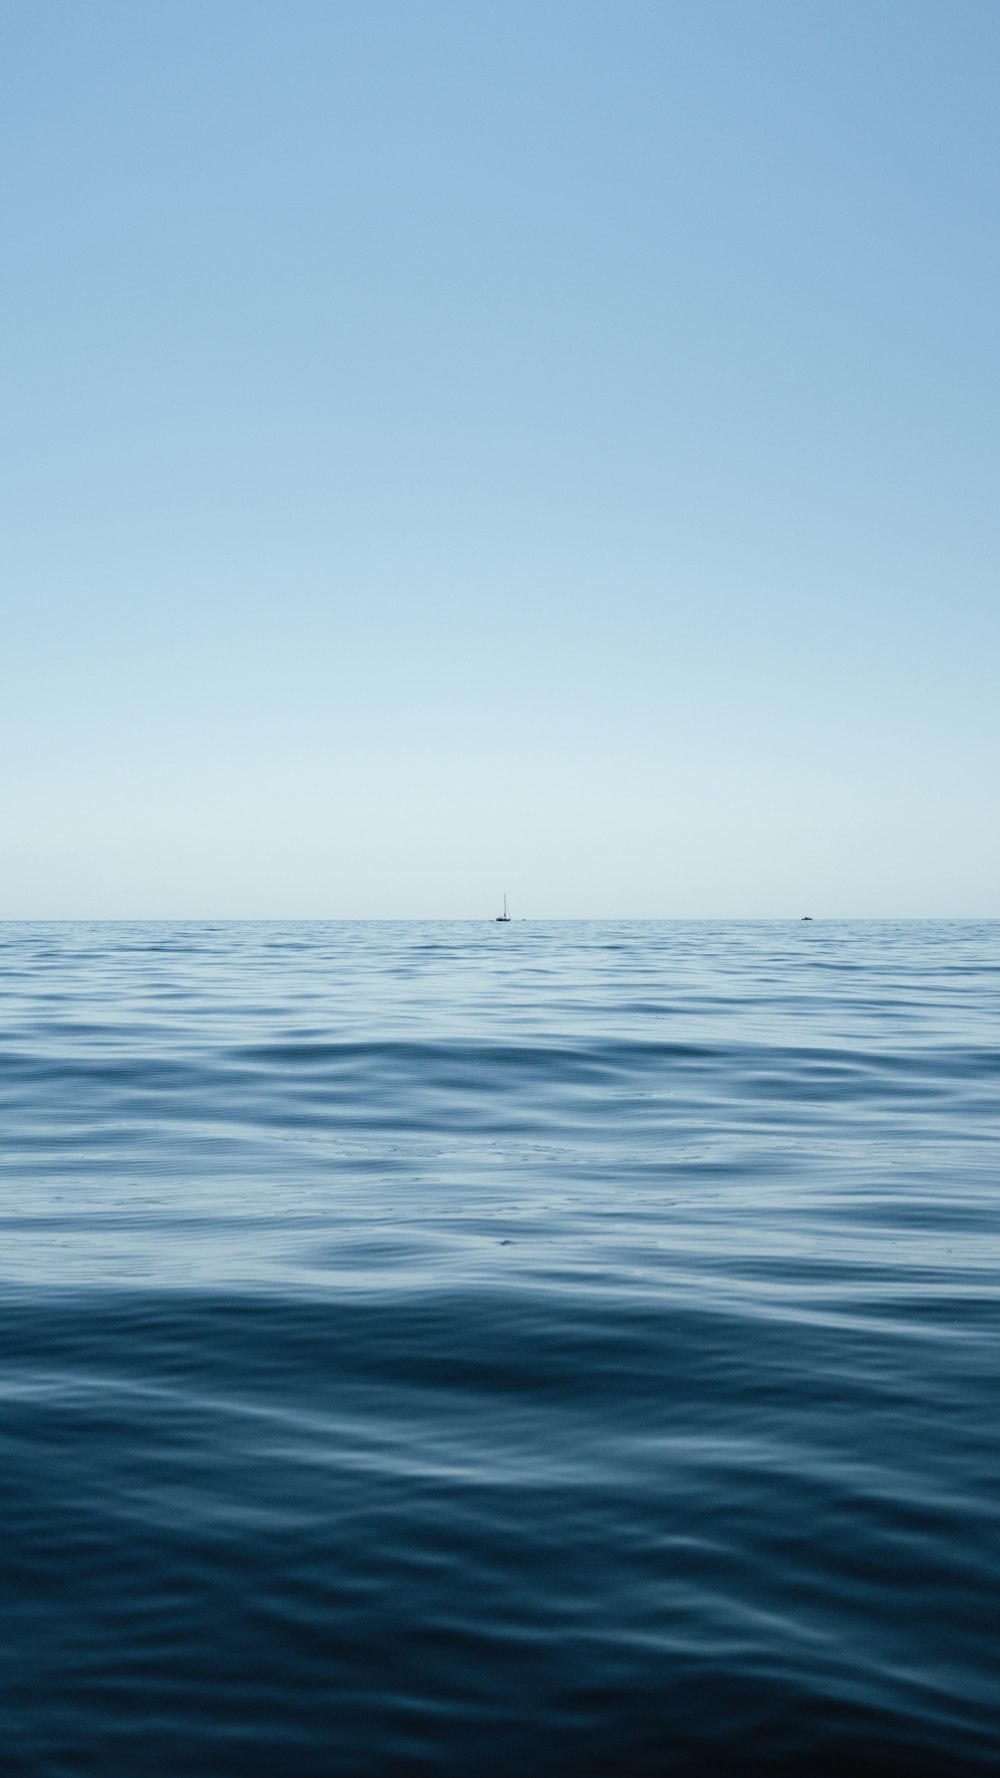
(470,1349)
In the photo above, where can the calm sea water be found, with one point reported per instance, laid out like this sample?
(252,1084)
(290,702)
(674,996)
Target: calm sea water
(469,1349)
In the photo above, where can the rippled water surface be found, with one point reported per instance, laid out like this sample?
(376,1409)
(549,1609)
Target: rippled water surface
(481,1349)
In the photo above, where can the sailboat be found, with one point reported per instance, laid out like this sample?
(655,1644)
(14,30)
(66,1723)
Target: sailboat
(505,915)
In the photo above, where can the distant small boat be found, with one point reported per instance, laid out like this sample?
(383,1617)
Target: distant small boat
(505,915)
(807,916)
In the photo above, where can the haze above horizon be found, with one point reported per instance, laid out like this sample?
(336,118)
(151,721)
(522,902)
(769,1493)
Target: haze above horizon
(454,447)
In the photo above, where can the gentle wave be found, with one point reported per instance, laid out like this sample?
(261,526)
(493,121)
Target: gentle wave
(457,1348)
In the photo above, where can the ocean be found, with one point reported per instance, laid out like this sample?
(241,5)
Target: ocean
(481,1349)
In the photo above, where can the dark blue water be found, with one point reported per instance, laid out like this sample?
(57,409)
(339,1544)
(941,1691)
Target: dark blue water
(469,1349)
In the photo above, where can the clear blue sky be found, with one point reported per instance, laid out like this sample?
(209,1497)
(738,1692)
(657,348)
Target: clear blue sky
(452,447)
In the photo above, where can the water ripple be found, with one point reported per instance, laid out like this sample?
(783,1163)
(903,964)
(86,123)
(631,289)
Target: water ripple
(458,1348)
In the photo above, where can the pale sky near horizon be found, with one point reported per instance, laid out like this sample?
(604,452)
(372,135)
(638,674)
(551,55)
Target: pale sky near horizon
(454,447)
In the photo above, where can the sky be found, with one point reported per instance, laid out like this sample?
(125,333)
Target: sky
(453,447)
